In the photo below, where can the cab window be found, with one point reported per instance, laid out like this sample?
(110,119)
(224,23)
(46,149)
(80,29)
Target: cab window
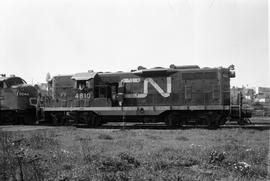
(81,85)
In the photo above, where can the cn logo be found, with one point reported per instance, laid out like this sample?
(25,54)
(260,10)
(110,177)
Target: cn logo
(146,82)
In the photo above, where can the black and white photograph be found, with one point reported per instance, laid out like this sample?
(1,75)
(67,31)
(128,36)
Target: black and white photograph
(134,90)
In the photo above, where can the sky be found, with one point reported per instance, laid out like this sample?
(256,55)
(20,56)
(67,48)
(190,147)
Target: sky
(67,37)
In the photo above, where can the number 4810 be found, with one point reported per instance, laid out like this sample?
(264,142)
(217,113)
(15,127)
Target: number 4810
(83,96)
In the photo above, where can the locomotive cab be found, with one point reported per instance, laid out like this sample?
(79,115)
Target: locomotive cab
(90,92)
(84,85)
(18,101)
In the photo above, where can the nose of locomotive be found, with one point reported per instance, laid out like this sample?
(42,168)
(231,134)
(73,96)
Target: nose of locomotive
(29,92)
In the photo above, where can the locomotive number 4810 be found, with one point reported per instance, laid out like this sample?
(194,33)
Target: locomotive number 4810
(83,96)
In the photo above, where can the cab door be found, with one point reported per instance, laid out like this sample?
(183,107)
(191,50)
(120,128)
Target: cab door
(211,88)
(193,90)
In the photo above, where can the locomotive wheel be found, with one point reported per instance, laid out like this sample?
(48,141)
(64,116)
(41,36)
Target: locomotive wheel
(20,120)
(9,119)
(94,120)
(55,120)
(90,120)
(213,120)
(223,120)
(30,118)
(171,120)
(98,121)
(67,120)
(243,121)
(47,118)
(27,119)
(179,123)
(81,120)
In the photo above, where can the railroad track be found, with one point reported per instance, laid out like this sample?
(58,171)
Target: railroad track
(259,125)
(160,126)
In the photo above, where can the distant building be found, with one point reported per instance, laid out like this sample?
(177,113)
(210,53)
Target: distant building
(264,92)
(263,98)
(258,99)
(248,95)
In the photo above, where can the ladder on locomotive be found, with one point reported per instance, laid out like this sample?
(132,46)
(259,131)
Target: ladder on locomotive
(236,110)
(237,107)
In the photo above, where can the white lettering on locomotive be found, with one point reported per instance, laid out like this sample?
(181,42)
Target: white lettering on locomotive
(22,93)
(83,96)
(145,87)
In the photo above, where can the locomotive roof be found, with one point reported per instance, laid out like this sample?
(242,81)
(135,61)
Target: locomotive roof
(84,76)
(145,72)
(158,70)
(63,75)
(12,81)
(7,78)
(3,78)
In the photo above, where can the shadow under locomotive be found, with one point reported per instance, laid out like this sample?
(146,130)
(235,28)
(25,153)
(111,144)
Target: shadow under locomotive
(161,126)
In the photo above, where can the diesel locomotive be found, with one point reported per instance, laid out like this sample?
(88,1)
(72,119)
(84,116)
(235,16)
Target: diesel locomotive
(178,95)
(18,101)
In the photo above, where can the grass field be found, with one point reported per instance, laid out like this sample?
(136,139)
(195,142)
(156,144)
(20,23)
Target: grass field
(68,153)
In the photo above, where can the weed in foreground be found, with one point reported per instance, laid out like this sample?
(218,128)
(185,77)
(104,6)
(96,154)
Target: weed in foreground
(153,137)
(240,161)
(42,140)
(181,138)
(225,161)
(20,159)
(105,137)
